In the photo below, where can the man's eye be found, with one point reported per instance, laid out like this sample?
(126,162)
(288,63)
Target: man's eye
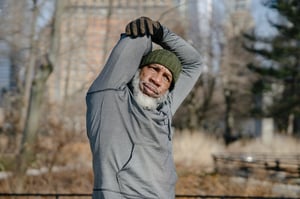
(167,78)
(153,68)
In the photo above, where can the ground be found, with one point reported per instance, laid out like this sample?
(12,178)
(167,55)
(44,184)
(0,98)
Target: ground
(72,169)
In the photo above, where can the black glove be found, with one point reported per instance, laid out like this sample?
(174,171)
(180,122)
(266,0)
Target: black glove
(145,26)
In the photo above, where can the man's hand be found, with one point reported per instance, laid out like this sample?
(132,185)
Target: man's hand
(145,26)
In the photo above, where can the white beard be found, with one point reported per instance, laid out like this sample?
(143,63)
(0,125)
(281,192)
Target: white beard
(144,100)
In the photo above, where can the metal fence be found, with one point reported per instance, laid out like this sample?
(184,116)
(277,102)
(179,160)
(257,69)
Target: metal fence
(87,195)
(250,164)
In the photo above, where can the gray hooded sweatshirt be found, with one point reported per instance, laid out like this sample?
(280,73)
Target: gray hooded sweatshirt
(132,146)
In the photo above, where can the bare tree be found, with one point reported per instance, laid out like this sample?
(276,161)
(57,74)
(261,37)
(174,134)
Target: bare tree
(222,96)
(235,77)
(29,51)
(29,137)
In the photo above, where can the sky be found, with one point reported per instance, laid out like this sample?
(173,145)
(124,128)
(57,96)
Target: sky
(260,15)
(47,10)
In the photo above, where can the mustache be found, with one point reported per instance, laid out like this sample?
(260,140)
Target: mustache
(151,86)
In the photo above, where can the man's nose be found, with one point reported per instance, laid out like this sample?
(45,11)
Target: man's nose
(156,79)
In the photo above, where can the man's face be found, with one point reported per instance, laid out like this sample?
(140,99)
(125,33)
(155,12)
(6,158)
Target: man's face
(155,80)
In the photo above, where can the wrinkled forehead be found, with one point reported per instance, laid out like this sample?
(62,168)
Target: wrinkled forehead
(160,67)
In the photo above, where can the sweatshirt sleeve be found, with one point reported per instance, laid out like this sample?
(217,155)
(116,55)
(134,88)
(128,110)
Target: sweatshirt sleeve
(122,63)
(192,66)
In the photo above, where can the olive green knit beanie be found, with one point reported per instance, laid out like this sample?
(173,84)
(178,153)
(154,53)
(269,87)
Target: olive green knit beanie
(165,58)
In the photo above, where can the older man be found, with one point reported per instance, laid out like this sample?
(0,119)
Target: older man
(129,111)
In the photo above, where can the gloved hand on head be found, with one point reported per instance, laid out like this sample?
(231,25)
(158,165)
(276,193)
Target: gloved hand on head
(145,26)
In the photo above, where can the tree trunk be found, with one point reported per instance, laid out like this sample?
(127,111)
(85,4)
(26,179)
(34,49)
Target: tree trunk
(26,153)
(29,68)
(228,126)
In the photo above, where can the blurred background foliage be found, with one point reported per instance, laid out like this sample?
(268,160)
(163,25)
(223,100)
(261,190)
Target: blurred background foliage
(51,51)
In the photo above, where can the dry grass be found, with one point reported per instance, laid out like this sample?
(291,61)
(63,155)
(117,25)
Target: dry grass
(192,154)
(195,149)
(277,144)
